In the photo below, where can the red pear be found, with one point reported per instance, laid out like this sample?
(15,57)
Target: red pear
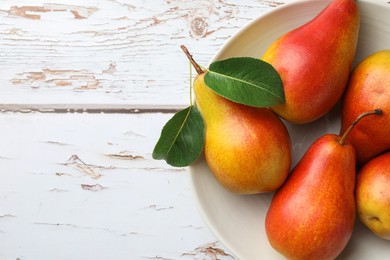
(369,87)
(312,215)
(314,61)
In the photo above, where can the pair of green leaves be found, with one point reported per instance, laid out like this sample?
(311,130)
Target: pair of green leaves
(244,80)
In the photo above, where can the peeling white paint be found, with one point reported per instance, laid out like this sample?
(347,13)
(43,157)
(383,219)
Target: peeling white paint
(107,49)
(136,208)
(85,88)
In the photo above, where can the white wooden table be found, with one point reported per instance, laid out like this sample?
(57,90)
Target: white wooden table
(85,88)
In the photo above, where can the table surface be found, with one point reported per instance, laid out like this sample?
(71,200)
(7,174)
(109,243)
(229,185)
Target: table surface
(85,88)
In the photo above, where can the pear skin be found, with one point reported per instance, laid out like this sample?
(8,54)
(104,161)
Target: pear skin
(314,61)
(373,195)
(247,149)
(312,215)
(369,87)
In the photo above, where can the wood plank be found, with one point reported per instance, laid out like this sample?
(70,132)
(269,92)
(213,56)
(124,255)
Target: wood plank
(111,51)
(84,186)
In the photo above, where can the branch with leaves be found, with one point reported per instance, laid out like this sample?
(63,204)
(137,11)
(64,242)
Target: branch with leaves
(244,80)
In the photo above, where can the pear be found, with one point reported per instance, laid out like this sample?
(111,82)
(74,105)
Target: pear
(312,215)
(373,195)
(369,87)
(248,149)
(314,61)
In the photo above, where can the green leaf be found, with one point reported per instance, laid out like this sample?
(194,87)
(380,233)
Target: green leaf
(246,80)
(182,138)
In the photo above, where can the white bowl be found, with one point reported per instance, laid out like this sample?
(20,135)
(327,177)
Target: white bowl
(238,220)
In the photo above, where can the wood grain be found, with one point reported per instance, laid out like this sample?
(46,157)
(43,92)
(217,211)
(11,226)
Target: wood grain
(84,186)
(111,51)
(83,85)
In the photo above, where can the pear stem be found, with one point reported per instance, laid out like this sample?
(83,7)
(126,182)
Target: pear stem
(191,85)
(361,116)
(198,69)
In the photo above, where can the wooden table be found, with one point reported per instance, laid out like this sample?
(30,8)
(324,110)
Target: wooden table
(85,88)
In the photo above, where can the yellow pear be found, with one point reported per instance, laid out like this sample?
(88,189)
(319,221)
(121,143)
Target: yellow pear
(248,149)
(373,195)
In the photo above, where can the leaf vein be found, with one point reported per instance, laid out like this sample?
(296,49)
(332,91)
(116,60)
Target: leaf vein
(247,82)
(180,129)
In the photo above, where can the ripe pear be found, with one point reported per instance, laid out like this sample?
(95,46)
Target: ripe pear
(369,87)
(373,195)
(248,149)
(314,61)
(312,215)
